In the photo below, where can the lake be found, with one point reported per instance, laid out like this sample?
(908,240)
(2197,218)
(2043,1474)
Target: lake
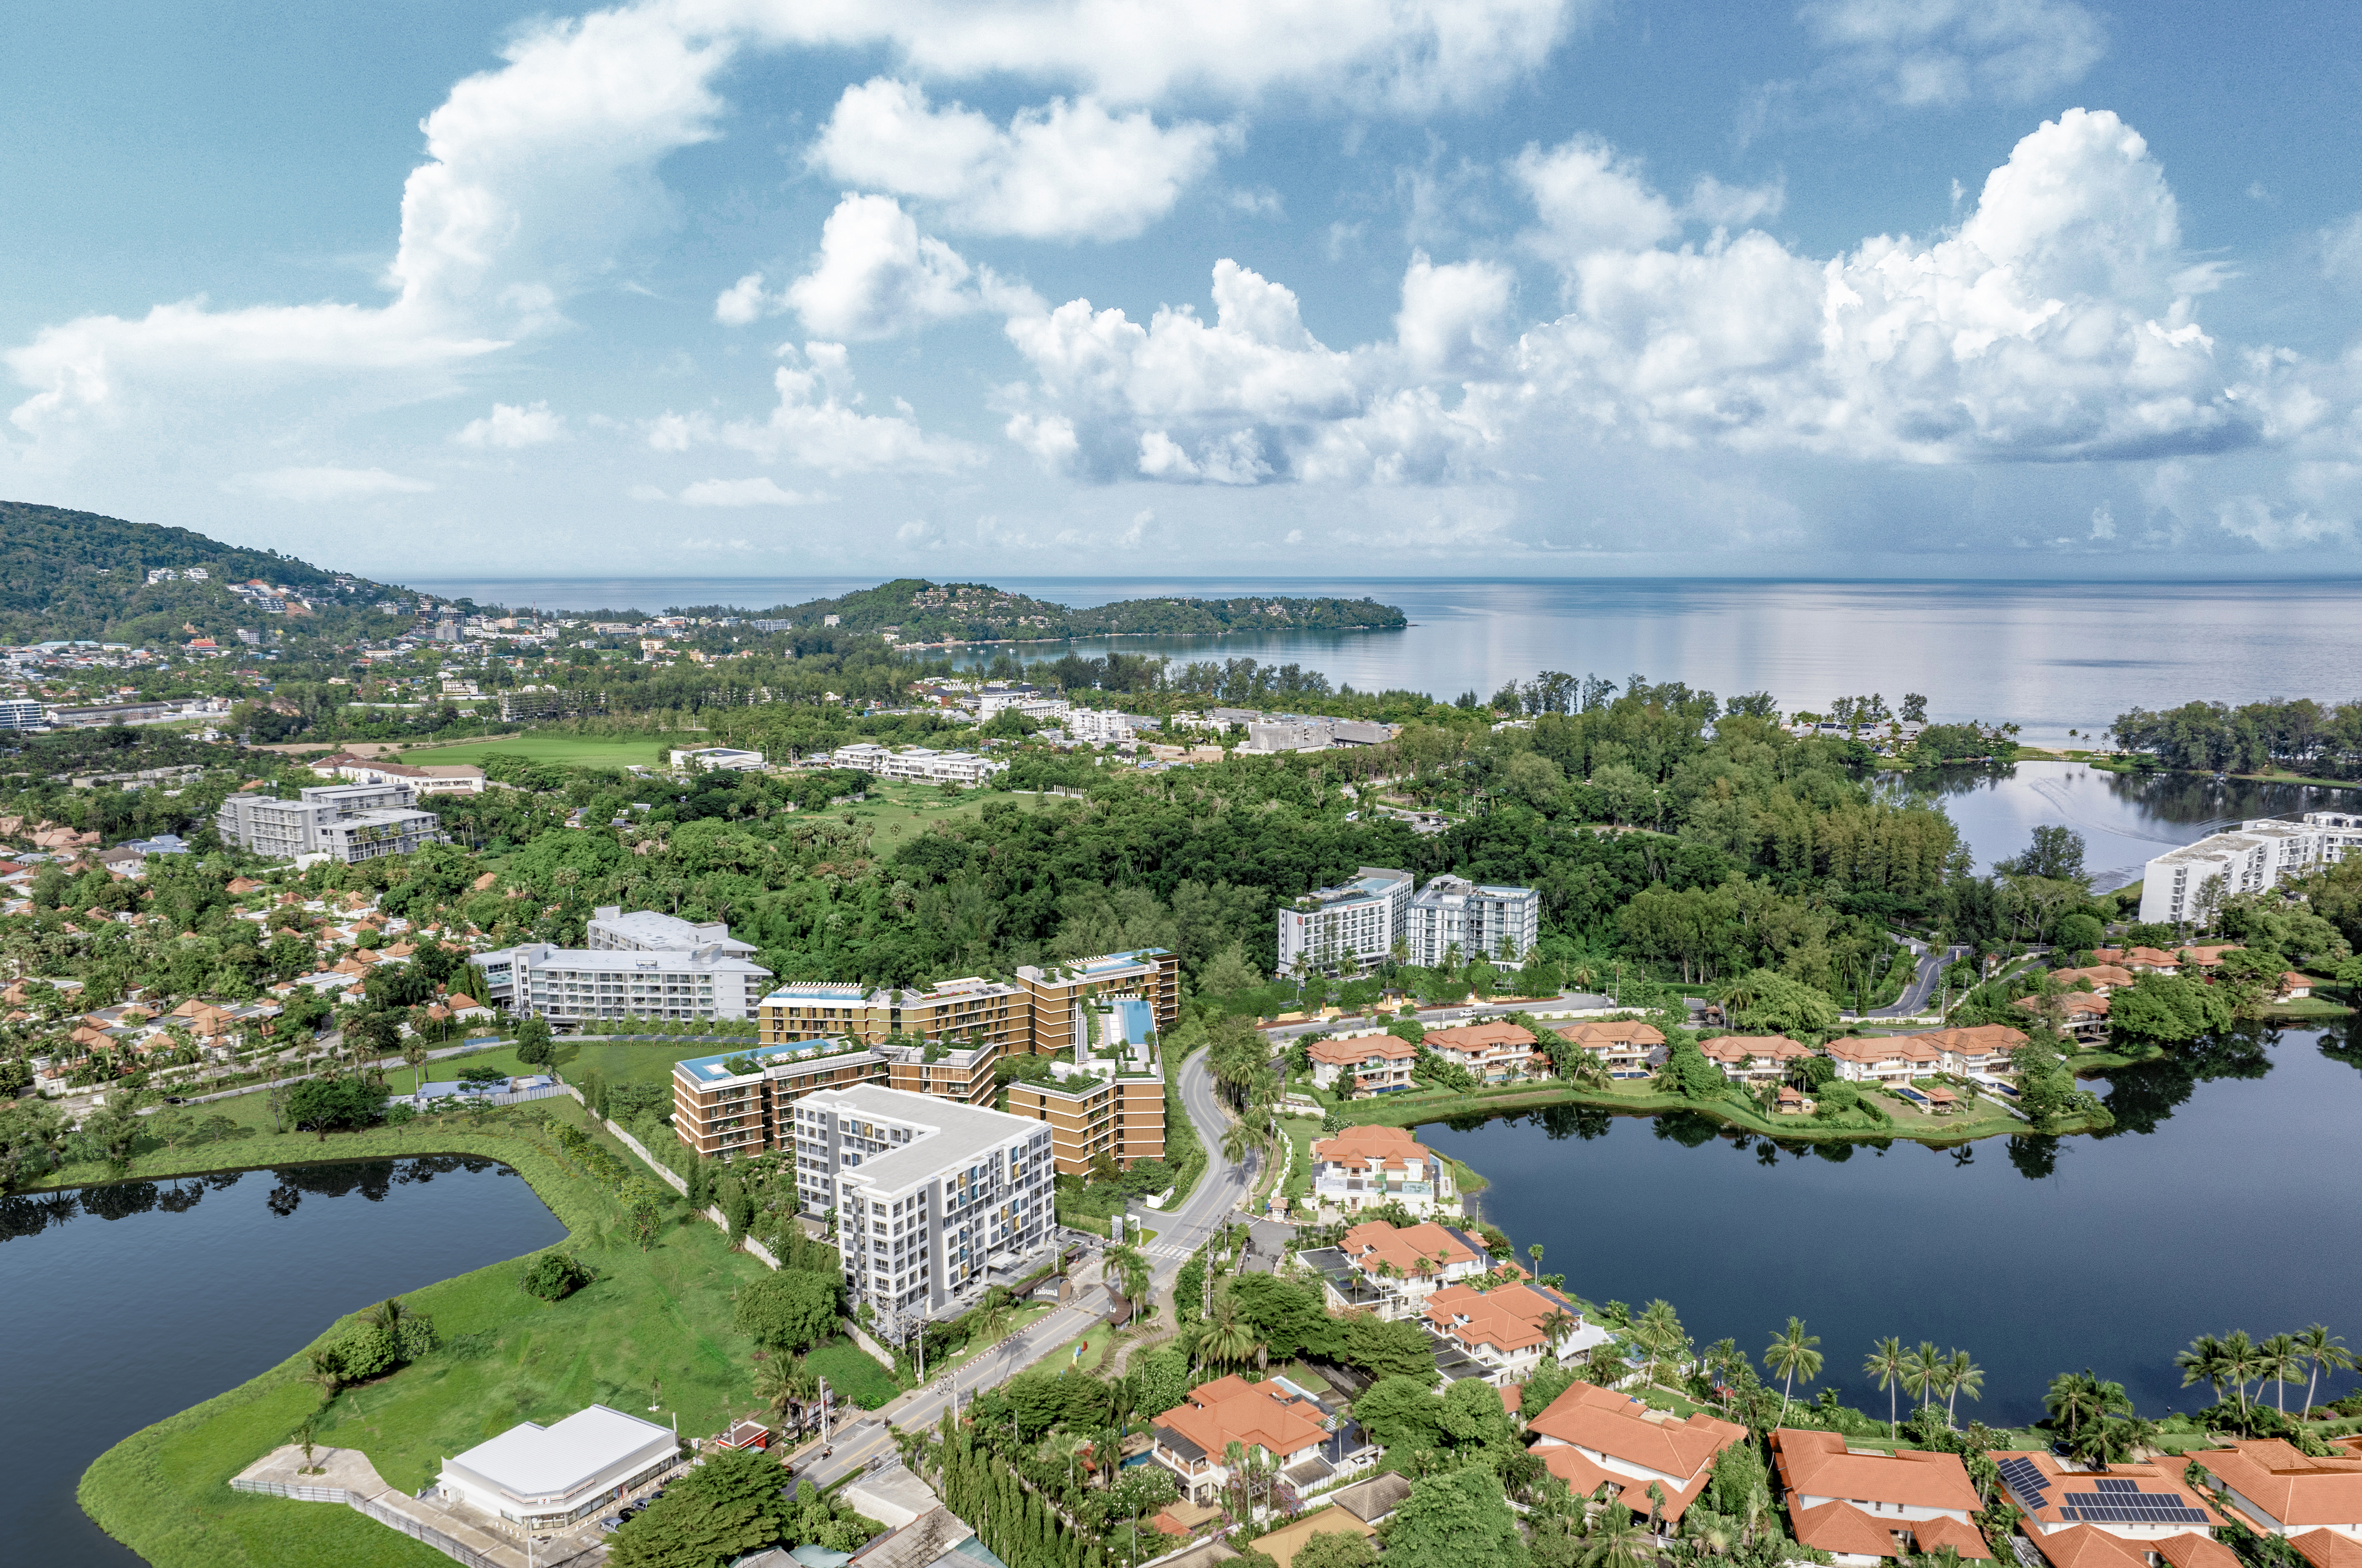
(124,1304)
(2048,657)
(2218,1203)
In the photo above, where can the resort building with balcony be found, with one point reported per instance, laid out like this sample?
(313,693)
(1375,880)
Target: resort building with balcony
(1103,1111)
(1365,1167)
(1454,919)
(2281,1490)
(568,985)
(1590,1437)
(1626,1047)
(1345,930)
(1371,1063)
(1496,1053)
(1754,1058)
(1502,1334)
(1863,1507)
(1273,1419)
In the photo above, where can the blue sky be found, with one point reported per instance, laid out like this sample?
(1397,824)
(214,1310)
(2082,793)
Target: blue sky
(1110,287)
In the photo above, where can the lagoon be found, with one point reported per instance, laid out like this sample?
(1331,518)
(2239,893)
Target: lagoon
(126,1303)
(2216,1203)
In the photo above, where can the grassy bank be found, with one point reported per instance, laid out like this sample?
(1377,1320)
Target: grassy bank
(652,1330)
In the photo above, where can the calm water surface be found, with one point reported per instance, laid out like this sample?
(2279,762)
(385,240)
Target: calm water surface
(2218,1203)
(121,1305)
(2050,657)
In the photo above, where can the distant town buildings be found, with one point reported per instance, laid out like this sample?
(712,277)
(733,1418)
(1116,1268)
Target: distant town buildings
(453,779)
(2185,886)
(351,822)
(1272,732)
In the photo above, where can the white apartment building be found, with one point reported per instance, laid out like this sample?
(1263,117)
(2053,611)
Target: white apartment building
(1454,917)
(1348,929)
(1286,732)
(2256,856)
(350,822)
(931,1195)
(708,758)
(567,985)
(20,713)
(917,763)
(991,702)
(1105,726)
(609,930)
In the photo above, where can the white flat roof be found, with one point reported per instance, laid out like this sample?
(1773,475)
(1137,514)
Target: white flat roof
(532,1461)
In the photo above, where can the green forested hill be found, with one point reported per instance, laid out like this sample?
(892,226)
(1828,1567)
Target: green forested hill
(78,574)
(920,611)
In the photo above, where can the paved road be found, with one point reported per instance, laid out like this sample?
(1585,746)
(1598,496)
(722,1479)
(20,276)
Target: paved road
(1922,988)
(1180,1233)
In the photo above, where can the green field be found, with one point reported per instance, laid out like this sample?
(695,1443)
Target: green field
(653,1328)
(647,749)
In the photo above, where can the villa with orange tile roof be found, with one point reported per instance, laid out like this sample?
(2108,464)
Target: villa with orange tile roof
(1506,1331)
(1378,1063)
(2327,1548)
(1496,1053)
(2140,960)
(1622,1044)
(2294,987)
(2141,1503)
(1394,1268)
(2077,1013)
(1269,1416)
(1364,1167)
(1591,1437)
(1863,1506)
(2104,977)
(2283,1490)
(1753,1058)
(1885,1058)
(2087,1546)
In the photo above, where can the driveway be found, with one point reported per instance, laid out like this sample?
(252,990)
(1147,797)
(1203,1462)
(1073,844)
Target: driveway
(1928,975)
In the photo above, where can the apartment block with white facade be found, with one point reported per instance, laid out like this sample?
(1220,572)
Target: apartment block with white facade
(917,764)
(350,822)
(1454,918)
(1347,928)
(932,1197)
(609,930)
(2182,885)
(567,985)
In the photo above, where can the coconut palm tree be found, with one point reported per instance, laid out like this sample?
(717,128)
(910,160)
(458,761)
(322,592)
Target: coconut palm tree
(1887,1367)
(2203,1363)
(1792,1353)
(2280,1359)
(1612,1542)
(1961,1375)
(387,1314)
(1658,1332)
(1229,1339)
(2077,1399)
(2241,1363)
(1922,1372)
(2322,1348)
(1239,1140)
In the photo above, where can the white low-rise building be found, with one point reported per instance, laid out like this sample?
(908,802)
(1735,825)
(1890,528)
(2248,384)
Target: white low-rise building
(350,822)
(570,984)
(931,1195)
(917,764)
(540,1477)
(1105,726)
(707,760)
(609,930)
(2185,886)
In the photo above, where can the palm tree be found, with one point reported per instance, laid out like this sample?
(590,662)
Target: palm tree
(2280,1359)
(2241,1361)
(1923,1370)
(1793,1355)
(1555,1327)
(326,1374)
(2322,1348)
(2203,1363)
(2077,1399)
(1888,1365)
(1612,1541)
(1239,1140)
(1961,1375)
(413,1051)
(1658,1332)
(1229,1339)
(387,1314)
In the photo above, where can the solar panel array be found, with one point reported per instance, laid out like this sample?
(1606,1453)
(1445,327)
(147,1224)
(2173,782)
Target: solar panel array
(2024,1479)
(2120,1501)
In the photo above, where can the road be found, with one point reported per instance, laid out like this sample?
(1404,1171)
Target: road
(1930,973)
(1220,1191)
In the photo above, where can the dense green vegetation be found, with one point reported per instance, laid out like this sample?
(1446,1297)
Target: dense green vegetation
(918,610)
(2319,739)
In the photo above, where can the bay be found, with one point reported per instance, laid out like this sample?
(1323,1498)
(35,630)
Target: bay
(126,1303)
(2049,656)
(2214,1205)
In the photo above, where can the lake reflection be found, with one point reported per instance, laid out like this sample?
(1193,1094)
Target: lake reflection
(125,1303)
(2223,1200)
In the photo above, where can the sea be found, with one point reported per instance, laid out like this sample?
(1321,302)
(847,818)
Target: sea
(2062,661)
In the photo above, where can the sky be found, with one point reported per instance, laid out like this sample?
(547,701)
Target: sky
(1557,288)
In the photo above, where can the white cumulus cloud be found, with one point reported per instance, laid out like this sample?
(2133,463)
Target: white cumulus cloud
(819,423)
(1066,170)
(1919,53)
(876,275)
(759,490)
(316,486)
(510,425)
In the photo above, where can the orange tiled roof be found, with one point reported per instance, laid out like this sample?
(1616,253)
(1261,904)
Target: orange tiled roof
(1352,1052)
(1584,1478)
(1613,1033)
(2086,1546)
(2148,1478)
(1413,1251)
(2209,956)
(2098,973)
(1479,1037)
(2324,1548)
(2294,1489)
(1744,1048)
(2074,1004)
(1595,1418)
(1509,1319)
(2191,1550)
(1365,1147)
(1817,1465)
(1842,1528)
(1254,1415)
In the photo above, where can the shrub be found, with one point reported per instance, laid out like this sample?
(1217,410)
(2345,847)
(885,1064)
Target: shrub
(554,1276)
(363,1351)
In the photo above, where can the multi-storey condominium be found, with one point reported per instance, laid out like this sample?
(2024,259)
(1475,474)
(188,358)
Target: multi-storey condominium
(1345,929)
(350,822)
(931,1196)
(1043,1012)
(609,930)
(1453,918)
(736,1103)
(2187,885)
(1104,1112)
(569,984)
(917,763)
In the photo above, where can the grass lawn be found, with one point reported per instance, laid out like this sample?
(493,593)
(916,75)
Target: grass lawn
(647,749)
(896,813)
(653,1328)
(1300,1130)
(850,1372)
(2310,1007)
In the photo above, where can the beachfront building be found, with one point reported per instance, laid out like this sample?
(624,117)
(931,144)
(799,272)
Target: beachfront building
(568,985)
(1452,920)
(933,1199)
(350,822)
(1365,1166)
(2185,886)
(1345,930)
(1591,1437)
(1371,1063)
(1863,1507)
(1502,1334)
(543,1478)
(2283,1490)
(1496,1053)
